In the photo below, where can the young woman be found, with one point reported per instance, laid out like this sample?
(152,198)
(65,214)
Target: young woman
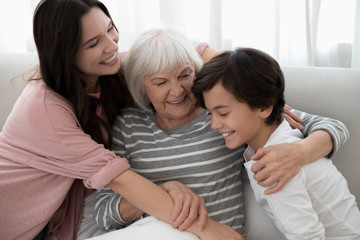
(56,138)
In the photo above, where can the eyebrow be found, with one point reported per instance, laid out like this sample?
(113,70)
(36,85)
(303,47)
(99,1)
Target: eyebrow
(93,38)
(186,68)
(219,107)
(180,72)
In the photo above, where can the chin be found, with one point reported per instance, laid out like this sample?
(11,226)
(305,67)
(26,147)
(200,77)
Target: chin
(231,146)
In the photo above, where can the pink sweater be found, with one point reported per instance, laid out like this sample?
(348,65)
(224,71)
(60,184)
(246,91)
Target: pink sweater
(42,151)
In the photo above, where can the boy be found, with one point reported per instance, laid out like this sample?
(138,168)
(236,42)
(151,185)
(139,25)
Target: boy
(243,91)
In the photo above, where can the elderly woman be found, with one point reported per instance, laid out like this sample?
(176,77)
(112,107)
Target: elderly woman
(168,138)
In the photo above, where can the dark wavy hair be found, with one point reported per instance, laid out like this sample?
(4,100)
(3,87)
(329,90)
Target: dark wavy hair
(57,33)
(251,75)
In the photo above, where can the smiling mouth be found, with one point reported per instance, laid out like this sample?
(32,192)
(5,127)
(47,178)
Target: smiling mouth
(226,134)
(110,59)
(178,101)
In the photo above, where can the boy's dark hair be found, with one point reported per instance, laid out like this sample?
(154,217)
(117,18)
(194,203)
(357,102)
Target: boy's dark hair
(251,75)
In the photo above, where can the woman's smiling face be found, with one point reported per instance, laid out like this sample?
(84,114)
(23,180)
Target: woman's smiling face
(98,50)
(170,92)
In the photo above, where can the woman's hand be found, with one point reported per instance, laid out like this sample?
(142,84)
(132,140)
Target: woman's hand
(294,120)
(218,231)
(277,164)
(188,206)
(200,47)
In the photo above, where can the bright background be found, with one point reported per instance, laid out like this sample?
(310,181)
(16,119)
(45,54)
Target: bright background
(295,32)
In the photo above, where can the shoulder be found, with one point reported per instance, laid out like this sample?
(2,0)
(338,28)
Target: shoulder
(40,102)
(132,114)
(284,133)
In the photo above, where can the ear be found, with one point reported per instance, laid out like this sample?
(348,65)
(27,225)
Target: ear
(265,112)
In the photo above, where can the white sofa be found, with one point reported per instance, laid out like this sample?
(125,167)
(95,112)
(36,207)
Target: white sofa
(332,92)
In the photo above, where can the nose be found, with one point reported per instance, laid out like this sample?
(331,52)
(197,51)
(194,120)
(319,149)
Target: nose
(215,123)
(176,88)
(112,39)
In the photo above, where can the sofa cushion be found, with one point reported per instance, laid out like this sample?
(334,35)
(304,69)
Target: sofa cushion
(335,93)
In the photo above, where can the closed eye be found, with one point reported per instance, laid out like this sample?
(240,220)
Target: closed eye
(160,83)
(94,45)
(185,76)
(111,27)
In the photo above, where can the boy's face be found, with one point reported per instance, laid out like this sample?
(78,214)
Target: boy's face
(236,121)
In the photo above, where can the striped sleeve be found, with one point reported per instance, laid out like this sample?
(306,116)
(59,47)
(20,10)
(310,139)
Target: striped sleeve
(106,210)
(107,202)
(337,130)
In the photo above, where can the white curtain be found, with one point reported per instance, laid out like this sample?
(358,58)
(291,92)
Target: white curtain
(295,32)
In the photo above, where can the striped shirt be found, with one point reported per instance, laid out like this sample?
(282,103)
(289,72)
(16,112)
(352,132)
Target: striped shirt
(193,154)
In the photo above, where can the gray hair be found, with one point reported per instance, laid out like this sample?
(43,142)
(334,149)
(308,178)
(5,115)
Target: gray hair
(157,51)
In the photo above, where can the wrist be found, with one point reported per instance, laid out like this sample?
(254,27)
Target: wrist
(304,151)
(128,213)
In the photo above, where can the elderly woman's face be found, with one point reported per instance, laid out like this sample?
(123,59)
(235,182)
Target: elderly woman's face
(170,92)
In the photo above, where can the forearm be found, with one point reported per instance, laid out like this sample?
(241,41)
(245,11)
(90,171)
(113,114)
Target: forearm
(317,145)
(335,129)
(146,196)
(209,53)
(143,194)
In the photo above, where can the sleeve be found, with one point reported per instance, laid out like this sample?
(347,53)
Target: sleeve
(337,130)
(67,150)
(303,222)
(106,203)
(106,210)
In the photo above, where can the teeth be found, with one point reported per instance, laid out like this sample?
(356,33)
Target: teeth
(227,134)
(109,60)
(179,101)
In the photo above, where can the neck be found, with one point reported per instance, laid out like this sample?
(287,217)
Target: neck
(169,123)
(263,136)
(91,83)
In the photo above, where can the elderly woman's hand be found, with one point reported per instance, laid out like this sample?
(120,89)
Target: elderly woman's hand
(277,164)
(188,206)
(293,119)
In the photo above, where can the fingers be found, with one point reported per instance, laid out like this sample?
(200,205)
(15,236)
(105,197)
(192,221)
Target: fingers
(293,119)
(192,209)
(293,122)
(263,177)
(189,219)
(184,213)
(201,47)
(188,207)
(274,189)
(259,154)
(203,215)
(178,206)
